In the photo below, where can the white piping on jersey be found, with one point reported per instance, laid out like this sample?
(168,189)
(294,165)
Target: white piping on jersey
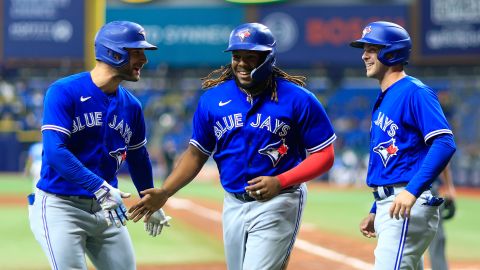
(437,132)
(200,147)
(138,145)
(323,145)
(56,128)
(310,150)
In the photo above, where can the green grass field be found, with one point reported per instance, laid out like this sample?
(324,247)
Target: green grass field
(334,210)
(339,211)
(20,251)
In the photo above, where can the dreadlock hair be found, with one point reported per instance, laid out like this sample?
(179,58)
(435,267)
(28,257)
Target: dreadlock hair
(226,73)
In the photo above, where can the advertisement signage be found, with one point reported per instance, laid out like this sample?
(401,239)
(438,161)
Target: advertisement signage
(184,36)
(50,30)
(320,35)
(449,31)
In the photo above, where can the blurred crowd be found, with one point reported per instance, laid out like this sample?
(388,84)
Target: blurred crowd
(169,99)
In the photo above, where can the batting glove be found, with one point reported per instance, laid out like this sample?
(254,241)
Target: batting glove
(110,199)
(449,209)
(155,223)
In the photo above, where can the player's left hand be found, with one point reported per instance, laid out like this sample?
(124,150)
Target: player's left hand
(263,188)
(155,223)
(449,208)
(402,205)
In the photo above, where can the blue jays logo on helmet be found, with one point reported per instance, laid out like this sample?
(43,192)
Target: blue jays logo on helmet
(115,37)
(243,35)
(386,150)
(275,151)
(394,40)
(366,30)
(120,155)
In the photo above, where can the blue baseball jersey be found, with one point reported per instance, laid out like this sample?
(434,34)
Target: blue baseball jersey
(98,129)
(404,119)
(251,138)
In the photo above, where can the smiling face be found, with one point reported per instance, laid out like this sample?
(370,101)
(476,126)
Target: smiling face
(243,62)
(375,69)
(131,70)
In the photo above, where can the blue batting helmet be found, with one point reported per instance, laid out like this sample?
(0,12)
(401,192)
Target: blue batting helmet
(394,39)
(115,37)
(255,37)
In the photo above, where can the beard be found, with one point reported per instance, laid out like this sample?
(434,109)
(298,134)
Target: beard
(126,73)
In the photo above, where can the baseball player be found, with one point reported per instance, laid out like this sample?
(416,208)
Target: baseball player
(410,144)
(436,250)
(259,123)
(33,164)
(91,126)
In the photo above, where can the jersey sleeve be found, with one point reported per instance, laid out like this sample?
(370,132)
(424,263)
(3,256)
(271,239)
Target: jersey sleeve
(428,114)
(138,138)
(315,126)
(202,137)
(58,110)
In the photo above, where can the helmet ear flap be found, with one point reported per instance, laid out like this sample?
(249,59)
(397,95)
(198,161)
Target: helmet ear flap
(395,40)
(265,69)
(255,37)
(113,38)
(397,53)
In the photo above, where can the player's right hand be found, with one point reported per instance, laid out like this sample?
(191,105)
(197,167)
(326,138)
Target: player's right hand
(153,199)
(110,199)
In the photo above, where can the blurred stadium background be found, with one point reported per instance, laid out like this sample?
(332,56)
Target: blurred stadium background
(43,40)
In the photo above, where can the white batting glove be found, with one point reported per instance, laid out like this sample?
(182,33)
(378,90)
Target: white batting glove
(155,223)
(110,199)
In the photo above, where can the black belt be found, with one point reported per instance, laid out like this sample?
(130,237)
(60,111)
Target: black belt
(244,197)
(387,192)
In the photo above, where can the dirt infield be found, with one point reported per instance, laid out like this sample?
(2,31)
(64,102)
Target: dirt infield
(314,248)
(337,252)
(299,259)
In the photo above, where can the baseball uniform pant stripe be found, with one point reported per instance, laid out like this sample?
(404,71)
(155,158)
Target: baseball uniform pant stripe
(297,225)
(401,245)
(47,234)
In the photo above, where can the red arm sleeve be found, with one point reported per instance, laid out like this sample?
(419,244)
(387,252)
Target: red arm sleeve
(314,165)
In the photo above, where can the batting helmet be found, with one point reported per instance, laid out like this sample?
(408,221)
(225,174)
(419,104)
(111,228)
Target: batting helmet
(115,37)
(255,37)
(394,39)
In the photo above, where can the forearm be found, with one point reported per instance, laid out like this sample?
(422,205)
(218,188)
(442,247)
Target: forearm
(188,166)
(66,164)
(448,181)
(140,169)
(313,166)
(437,158)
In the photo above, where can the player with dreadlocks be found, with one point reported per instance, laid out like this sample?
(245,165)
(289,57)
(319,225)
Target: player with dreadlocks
(270,83)
(259,123)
